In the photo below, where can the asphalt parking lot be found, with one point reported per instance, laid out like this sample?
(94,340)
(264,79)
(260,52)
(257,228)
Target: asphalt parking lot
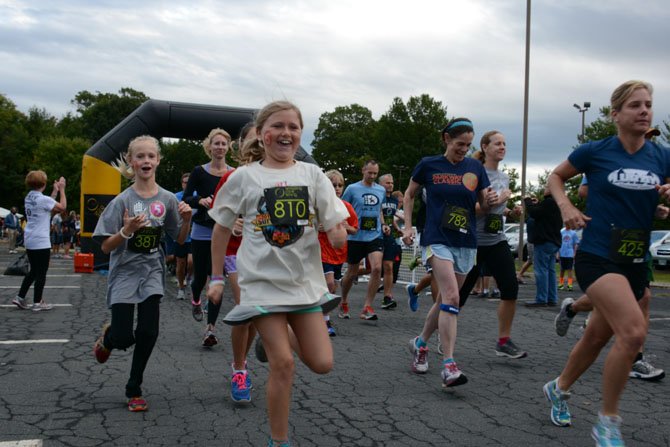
(53,393)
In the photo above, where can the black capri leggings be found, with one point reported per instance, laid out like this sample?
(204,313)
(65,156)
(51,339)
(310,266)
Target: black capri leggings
(500,264)
(39,264)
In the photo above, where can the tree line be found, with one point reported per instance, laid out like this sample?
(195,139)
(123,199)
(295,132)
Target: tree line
(344,138)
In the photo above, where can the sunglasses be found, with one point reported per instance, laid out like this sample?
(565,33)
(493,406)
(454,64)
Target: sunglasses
(338,185)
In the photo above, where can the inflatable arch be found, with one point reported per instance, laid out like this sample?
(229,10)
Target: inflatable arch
(100,182)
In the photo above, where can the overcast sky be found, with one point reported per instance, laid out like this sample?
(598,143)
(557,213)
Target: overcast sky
(468,54)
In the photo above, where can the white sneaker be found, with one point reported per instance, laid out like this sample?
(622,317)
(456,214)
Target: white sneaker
(181,294)
(420,360)
(38,307)
(20,303)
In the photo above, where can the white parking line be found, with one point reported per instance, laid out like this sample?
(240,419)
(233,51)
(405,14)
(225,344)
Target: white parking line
(660,319)
(46,287)
(33,342)
(24,443)
(54,305)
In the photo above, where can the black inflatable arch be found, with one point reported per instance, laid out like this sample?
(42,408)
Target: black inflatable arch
(100,182)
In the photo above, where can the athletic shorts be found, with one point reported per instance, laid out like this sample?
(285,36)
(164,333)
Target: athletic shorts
(391,249)
(462,258)
(336,269)
(358,250)
(567,263)
(589,268)
(182,250)
(230,264)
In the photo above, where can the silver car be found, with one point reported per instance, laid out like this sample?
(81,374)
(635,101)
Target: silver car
(659,247)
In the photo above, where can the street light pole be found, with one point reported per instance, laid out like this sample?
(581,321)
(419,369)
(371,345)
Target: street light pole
(582,110)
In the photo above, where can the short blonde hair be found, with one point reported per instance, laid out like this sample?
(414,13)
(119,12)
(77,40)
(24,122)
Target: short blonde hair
(334,174)
(122,164)
(207,142)
(36,179)
(625,90)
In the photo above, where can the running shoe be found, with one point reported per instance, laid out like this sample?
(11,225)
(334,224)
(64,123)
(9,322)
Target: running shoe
(20,303)
(420,360)
(563,320)
(239,389)
(413,301)
(560,413)
(209,340)
(560,287)
(495,293)
(331,329)
(259,350)
(380,289)
(100,352)
(607,431)
(510,350)
(414,263)
(196,311)
(452,376)
(273,443)
(344,311)
(137,404)
(38,307)
(644,370)
(368,314)
(389,303)
(569,288)
(181,294)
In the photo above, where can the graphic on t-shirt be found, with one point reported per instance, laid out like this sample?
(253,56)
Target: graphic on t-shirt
(370,199)
(138,208)
(470,181)
(637,179)
(276,235)
(157,209)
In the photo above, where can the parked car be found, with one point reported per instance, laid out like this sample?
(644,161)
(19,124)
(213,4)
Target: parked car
(512,235)
(659,247)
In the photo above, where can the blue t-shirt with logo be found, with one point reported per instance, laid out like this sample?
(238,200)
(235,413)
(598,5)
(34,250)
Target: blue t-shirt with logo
(622,188)
(367,202)
(450,185)
(569,239)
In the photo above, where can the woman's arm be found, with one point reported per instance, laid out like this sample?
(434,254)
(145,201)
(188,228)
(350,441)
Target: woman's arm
(572,217)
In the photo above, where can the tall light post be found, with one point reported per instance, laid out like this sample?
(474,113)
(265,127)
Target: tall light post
(582,110)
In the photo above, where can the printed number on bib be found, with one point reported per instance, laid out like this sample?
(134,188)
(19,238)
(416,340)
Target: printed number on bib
(288,205)
(628,246)
(455,218)
(494,224)
(145,240)
(369,223)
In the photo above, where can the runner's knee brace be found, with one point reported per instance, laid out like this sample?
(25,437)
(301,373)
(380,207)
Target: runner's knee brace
(449,309)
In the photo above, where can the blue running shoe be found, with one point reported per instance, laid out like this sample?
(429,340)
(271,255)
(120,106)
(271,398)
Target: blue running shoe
(273,443)
(560,414)
(239,388)
(607,432)
(413,300)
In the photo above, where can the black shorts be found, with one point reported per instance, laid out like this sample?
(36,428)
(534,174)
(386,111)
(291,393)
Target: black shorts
(358,250)
(182,250)
(500,264)
(391,249)
(589,268)
(567,263)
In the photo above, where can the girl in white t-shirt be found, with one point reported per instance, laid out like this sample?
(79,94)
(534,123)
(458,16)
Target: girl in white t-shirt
(282,202)
(130,230)
(37,236)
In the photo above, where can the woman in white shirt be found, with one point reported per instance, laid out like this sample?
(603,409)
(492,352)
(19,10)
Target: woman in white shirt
(39,208)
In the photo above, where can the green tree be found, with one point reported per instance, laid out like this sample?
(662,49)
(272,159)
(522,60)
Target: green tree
(61,156)
(343,140)
(406,133)
(16,146)
(178,157)
(602,127)
(100,112)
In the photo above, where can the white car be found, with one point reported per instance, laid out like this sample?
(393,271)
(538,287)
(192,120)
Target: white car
(512,235)
(659,247)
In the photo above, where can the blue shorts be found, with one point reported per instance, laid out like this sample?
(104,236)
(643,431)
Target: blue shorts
(462,258)
(336,269)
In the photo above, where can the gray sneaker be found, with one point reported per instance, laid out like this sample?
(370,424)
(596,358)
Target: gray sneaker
(20,303)
(510,350)
(644,370)
(41,306)
(563,320)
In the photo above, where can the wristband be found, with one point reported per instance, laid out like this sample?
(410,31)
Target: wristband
(123,235)
(216,282)
(217,277)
